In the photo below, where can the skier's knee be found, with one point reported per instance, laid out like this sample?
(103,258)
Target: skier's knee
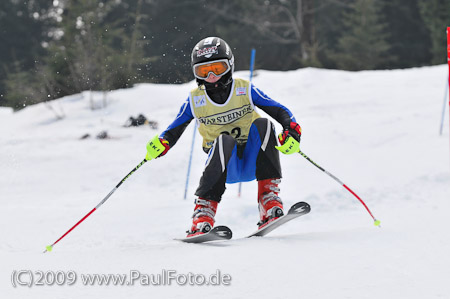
(261,122)
(226,141)
(265,128)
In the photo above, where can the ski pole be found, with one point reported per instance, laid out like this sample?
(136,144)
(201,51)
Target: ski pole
(376,222)
(50,247)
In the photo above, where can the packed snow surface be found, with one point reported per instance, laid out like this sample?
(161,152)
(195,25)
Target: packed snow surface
(377,131)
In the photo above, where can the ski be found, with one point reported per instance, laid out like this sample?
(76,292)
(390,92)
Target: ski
(216,234)
(219,233)
(298,209)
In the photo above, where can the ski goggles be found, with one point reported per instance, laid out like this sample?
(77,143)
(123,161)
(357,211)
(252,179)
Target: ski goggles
(218,68)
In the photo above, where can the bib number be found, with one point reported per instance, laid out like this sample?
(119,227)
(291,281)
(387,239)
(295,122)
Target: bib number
(235,133)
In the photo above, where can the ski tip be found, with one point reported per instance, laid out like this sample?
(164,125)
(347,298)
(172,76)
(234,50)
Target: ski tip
(216,234)
(300,207)
(223,232)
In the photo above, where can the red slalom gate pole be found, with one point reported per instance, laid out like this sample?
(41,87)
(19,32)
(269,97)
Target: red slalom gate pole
(50,247)
(376,222)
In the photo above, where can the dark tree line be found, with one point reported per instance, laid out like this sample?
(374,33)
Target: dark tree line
(49,49)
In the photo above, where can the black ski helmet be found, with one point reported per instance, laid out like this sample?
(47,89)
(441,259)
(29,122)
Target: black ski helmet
(210,49)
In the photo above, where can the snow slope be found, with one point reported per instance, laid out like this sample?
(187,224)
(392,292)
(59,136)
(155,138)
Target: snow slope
(378,131)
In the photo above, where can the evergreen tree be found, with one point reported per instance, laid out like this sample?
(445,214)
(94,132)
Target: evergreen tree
(409,39)
(96,46)
(363,45)
(436,16)
(100,48)
(329,28)
(49,49)
(24,28)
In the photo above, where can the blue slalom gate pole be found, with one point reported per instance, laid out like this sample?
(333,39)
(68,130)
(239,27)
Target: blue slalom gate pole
(190,162)
(252,65)
(443,108)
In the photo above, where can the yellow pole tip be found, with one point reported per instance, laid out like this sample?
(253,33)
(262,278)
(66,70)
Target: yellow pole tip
(49,247)
(377,222)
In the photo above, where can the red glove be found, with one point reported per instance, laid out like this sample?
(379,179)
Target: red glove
(294,130)
(166,146)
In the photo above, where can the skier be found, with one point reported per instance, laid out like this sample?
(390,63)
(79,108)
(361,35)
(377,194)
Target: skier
(241,146)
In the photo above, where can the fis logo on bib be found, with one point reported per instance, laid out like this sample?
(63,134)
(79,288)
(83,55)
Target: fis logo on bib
(200,101)
(241,91)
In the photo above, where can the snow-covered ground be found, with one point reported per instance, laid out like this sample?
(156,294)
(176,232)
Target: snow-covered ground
(378,131)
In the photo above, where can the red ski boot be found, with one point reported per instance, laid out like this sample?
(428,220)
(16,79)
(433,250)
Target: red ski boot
(270,205)
(203,217)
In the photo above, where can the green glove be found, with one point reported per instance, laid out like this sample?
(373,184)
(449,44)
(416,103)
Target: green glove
(290,146)
(290,139)
(157,147)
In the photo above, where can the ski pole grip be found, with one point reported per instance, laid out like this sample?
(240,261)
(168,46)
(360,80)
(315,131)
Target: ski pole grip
(154,148)
(289,147)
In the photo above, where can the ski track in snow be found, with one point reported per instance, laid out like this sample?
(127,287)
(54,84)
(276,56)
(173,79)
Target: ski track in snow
(377,131)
